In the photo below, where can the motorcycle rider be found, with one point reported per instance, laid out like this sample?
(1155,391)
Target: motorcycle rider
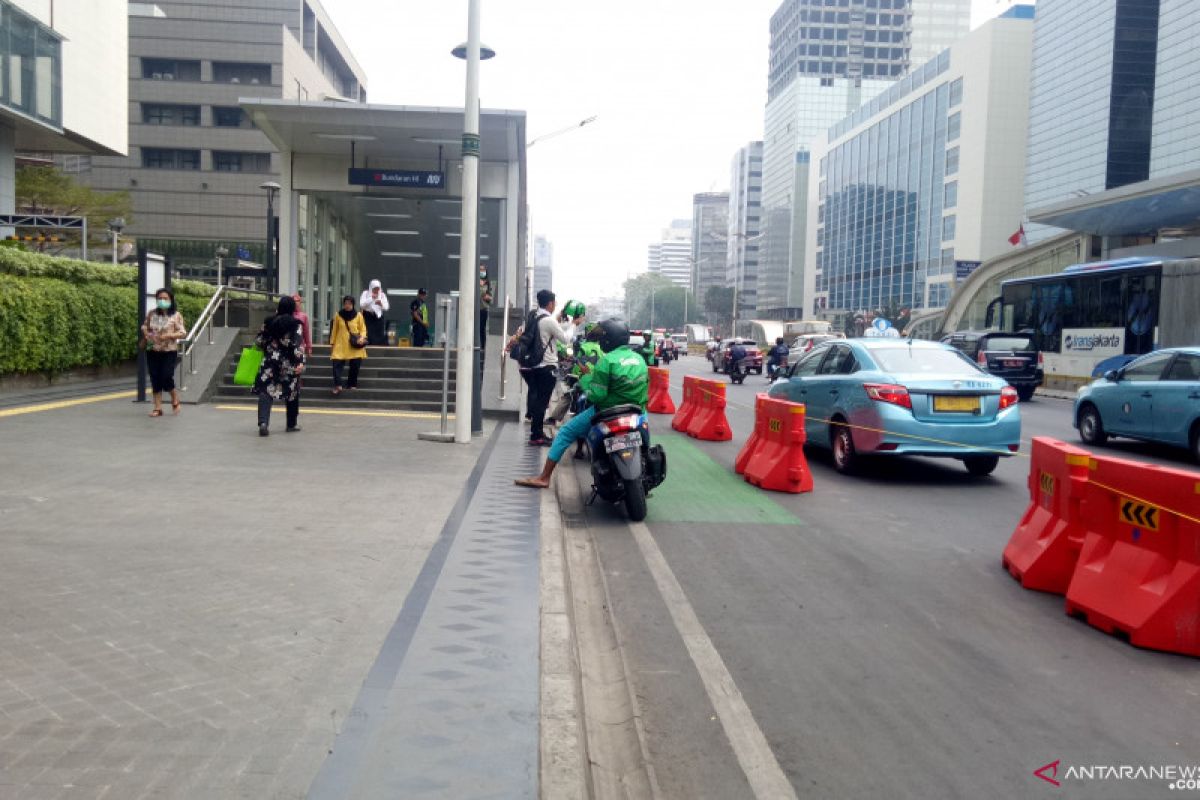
(619,378)
(737,352)
(776,358)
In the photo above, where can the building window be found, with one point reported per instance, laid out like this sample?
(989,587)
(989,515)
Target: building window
(170,69)
(31,58)
(950,199)
(947,261)
(164,114)
(949,224)
(230,117)
(956,92)
(952,161)
(230,72)
(954,126)
(166,158)
(229,161)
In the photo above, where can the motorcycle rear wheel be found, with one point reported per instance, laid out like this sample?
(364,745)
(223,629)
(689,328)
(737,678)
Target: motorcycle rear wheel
(635,500)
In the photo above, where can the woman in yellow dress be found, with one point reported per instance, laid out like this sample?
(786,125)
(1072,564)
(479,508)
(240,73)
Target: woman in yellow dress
(348,344)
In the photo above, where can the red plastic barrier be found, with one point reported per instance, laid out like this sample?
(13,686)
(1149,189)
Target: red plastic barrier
(660,401)
(709,422)
(755,440)
(1138,572)
(1042,551)
(688,407)
(778,463)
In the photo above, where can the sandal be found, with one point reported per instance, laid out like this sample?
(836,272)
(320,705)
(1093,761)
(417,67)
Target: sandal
(156,412)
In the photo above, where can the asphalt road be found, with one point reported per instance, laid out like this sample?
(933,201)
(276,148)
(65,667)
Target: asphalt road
(880,646)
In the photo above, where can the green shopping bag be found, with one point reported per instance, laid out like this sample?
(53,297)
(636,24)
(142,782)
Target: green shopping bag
(247,368)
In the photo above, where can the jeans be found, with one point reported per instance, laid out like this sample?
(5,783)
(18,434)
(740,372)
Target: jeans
(572,432)
(541,386)
(264,410)
(161,366)
(338,365)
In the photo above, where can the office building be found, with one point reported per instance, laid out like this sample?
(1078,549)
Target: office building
(671,256)
(925,184)
(710,240)
(543,264)
(745,215)
(65,82)
(196,159)
(826,61)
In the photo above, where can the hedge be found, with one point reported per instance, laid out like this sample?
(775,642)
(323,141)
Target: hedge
(57,314)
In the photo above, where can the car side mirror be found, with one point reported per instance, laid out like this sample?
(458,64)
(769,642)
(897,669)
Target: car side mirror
(1113,375)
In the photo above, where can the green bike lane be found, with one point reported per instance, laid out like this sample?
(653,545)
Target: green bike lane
(878,644)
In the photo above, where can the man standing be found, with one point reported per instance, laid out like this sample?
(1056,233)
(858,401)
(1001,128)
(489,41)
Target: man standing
(542,377)
(485,303)
(420,320)
(374,305)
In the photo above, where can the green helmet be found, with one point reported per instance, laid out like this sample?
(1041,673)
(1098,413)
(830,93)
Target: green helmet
(574,309)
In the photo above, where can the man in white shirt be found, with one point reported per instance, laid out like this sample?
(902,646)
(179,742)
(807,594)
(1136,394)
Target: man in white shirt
(542,378)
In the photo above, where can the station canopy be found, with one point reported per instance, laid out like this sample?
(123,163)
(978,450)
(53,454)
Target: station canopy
(1170,204)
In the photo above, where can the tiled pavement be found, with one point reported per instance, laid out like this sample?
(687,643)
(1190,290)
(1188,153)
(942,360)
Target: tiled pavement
(190,611)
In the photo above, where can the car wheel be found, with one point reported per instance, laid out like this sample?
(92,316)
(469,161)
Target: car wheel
(1091,429)
(1025,393)
(845,457)
(980,466)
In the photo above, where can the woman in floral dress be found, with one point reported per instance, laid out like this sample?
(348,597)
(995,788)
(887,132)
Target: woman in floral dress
(282,342)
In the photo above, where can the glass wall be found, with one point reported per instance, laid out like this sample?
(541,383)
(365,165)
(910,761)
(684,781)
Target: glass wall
(30,66)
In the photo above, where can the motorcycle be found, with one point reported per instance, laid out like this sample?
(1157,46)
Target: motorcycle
(738,370)
(774,370)
(624,469)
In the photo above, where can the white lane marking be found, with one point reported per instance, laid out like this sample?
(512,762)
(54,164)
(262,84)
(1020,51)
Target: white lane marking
(762,770)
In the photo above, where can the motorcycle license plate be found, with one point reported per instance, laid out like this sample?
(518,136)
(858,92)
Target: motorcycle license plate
(622,442)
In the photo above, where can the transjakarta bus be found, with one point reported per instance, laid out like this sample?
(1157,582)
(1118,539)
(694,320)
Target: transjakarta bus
(1089,313)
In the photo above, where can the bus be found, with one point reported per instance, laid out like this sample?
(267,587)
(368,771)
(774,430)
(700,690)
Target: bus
(1091,313)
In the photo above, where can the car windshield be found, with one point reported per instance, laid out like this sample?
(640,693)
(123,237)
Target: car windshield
(906,360)
(1009,343)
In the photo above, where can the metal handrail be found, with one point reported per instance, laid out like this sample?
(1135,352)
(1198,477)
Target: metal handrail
(204,323)
(504,353)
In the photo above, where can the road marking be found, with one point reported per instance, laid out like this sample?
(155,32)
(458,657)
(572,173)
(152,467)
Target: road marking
(79,401)
(762,770)
(345,412)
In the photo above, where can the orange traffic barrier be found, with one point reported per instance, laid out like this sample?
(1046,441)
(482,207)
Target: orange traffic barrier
(660,401)
(777,461)
(709,422)
(752,444)
(688,407)
(1043,549)
(1138,574)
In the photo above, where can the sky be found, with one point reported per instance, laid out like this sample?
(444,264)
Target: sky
(676,86)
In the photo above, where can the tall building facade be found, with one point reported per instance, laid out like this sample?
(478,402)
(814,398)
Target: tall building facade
(64,85)
(671,256)
(826,60)
(910,193)
(745,223)
(196,161)
(543,264)
(710,232)
(1115,89)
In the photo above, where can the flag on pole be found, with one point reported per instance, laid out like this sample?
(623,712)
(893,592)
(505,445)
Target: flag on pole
(1018,237)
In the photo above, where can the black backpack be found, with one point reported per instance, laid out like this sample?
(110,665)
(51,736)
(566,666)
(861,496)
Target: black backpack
(529,347)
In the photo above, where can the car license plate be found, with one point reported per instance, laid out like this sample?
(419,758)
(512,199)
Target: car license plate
(956,403)
(1014,363)
(622,442)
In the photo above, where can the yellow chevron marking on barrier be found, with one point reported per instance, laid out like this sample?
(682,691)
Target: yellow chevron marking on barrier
(1144,515)
(57,404)
(1125,496)
(774,425)
(346,412)
(1047,481)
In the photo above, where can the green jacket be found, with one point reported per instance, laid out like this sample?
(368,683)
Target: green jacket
(587,356)
(620,377)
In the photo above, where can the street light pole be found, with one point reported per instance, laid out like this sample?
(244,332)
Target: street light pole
(467,261)
(115,226)
(272,266)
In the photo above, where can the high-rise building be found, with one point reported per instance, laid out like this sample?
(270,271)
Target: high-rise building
(543,264)
(671,256)
(64,85)
(825,62)
(710,232)
(926,186)
(196,160)
(745,215)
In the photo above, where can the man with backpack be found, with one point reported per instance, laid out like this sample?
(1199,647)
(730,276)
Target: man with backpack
(536,353)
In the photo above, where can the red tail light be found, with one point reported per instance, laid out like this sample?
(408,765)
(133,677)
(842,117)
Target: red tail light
(889,393)
(981,359)
(1008,397)
(1041,360)
(623,424)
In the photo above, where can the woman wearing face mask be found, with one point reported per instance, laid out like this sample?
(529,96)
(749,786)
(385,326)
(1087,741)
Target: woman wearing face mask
(374,305)
(485,303)
(348,344)
(161,333)
(282,342)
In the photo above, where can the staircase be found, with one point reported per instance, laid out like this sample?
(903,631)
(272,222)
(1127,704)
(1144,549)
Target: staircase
(391,379)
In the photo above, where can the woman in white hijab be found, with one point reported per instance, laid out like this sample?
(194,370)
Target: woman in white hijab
(374,305)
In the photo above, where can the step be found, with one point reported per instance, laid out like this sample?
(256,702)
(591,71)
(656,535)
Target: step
(309,400)
(366,393)
(426,379)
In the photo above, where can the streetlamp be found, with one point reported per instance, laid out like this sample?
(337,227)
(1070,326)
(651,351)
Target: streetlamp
(222,251)
(115,226)
(472,51)
(271,188)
